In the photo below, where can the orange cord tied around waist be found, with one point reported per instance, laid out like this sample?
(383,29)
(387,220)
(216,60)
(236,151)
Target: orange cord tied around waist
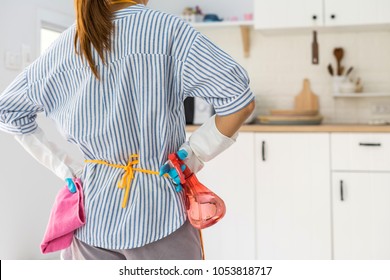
(125,182)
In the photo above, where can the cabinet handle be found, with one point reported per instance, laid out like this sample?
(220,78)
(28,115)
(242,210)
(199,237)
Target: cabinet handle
(332,16)
(341,190)
(263,150)
(370,144)
(314,17)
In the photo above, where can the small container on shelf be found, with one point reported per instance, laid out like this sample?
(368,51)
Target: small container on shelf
(248,16)
(192,14)
(358,86)
(347,87)
(337,81)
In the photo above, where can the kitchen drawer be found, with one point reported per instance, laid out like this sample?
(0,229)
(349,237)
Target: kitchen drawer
(360,151)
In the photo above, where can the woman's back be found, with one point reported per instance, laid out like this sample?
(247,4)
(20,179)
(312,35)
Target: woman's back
(131,118)
(132,108)
(135,108)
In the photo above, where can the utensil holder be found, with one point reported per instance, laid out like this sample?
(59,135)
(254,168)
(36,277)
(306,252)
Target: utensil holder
(336,82)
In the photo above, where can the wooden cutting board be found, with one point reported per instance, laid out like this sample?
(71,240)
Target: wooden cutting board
(294,112)
(293,118)
(290,120)
(306,100)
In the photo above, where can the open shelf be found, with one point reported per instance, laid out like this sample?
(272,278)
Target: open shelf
(245,27)
(222,23)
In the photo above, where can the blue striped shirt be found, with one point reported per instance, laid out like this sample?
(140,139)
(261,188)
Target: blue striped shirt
(157,60)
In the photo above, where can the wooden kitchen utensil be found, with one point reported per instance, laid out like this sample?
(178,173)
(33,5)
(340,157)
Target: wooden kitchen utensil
(290,120)
(339,54)
(314,49)
(330,69)
(348,71)
(294,113)
(306,100)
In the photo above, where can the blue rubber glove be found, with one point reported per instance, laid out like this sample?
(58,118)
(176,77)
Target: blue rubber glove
(71,185)
(167,169)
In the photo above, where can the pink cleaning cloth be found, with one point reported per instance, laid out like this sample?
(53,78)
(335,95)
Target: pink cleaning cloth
(67,215)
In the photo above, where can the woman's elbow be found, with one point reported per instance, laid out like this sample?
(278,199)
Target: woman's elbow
(250,108)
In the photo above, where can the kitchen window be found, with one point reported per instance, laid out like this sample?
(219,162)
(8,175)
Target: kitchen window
(48,36)
(50,25)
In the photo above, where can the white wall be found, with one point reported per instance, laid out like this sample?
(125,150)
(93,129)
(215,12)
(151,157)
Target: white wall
(18,22)
(278,64)
(27,189)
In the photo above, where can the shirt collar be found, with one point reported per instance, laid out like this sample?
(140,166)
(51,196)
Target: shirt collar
(133,9)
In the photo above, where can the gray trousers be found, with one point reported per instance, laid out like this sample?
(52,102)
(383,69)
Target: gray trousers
(183,244)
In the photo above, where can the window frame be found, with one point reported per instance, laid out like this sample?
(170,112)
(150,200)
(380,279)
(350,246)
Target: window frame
(51,20)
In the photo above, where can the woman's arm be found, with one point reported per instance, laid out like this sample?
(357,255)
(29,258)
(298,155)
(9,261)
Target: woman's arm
(50,155)
(230,124)
(212,138)
(217,134)
(18,116)
(211,74)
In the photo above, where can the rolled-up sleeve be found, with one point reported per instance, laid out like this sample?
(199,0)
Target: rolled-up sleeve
(17,112)
(213,75)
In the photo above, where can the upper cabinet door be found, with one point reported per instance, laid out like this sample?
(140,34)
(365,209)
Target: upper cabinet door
(358,12)
(288,13)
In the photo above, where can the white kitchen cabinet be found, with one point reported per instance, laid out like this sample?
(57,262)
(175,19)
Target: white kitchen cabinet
(293,215)
(358,12)
(302,196)
(320,13)
(360,152)
(287,13)
(361,215)
(231,176)
(361,195)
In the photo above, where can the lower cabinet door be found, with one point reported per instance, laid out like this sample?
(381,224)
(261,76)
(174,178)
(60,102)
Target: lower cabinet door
(361,215)
(293,206)
(231,176)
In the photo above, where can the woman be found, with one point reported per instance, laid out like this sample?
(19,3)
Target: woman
(114,83)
